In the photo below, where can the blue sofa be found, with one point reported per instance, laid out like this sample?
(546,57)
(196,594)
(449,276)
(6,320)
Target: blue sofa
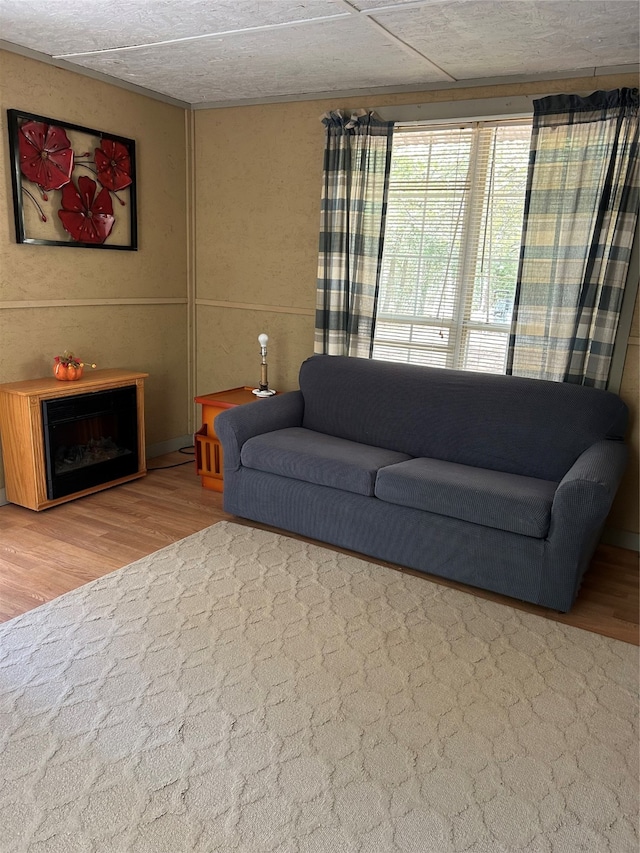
(495,481)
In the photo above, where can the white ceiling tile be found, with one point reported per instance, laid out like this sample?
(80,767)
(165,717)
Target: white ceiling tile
(485,39)
(368,5)
(327,57)
(60,27)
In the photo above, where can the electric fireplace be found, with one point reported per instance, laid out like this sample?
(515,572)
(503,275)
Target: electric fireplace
(89,439)
(62,440)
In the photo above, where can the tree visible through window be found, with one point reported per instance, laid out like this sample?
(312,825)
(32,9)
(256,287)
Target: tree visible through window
(452,244)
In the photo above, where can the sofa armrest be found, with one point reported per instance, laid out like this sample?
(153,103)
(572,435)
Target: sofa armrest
(585,494)
(580,508)
(237,425)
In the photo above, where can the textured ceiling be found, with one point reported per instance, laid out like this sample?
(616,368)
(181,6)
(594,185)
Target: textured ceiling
(214,52)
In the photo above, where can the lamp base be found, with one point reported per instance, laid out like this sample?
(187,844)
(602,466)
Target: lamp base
(268,392)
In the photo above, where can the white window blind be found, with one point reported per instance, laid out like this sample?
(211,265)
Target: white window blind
(452,244)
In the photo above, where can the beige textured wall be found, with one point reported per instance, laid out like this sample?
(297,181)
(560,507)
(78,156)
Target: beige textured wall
(151,336)
(257,212)
(625,511)
(257,200)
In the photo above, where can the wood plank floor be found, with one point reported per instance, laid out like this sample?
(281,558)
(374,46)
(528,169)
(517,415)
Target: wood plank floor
(45,554)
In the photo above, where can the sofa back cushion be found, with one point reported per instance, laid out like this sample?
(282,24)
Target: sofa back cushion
(504,423)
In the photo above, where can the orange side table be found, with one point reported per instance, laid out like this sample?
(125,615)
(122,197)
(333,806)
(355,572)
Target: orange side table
(209,463)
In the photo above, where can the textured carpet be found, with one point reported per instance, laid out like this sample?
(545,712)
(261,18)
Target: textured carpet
(243,691)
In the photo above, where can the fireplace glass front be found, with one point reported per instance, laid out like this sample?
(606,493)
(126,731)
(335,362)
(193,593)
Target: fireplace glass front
(90,439)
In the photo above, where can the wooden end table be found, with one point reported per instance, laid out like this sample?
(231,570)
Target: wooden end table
(209,462)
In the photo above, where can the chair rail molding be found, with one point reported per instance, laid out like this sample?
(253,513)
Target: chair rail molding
(82,303)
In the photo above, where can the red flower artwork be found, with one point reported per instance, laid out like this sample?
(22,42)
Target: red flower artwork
(113,164)
(46,157)
(86,216)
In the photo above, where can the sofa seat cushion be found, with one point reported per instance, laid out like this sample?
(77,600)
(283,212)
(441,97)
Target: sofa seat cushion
(314,457)
(491,498)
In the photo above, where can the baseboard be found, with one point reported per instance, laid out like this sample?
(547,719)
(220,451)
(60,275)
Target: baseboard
(152,450)
(621,539)
(162,447)
(610,536)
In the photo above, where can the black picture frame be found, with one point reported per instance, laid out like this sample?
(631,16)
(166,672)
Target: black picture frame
(109,194)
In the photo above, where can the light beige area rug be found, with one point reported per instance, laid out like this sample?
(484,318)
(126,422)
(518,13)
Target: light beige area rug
(243,691)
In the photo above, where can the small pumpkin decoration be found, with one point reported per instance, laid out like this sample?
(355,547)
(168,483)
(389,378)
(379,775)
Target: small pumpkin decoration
(68,366)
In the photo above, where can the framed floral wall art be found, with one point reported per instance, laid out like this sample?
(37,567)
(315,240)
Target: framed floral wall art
(72,186)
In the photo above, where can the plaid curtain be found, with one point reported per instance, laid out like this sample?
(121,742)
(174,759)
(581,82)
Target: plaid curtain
(580,216)
(357,160)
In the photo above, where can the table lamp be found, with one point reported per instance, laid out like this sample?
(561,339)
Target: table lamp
(263,390)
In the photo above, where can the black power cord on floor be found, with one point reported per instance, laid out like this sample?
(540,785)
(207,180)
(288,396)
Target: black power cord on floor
(189,450)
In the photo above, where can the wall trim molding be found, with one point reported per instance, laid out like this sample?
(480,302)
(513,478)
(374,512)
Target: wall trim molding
(169,446)
(610,536)
(81,303)
(89,72)
(67,65)
(151,451)
(251,306)
(593,73)
(590,72)
(621,539)
(192,267)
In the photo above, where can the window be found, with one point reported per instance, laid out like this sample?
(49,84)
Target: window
(452,244)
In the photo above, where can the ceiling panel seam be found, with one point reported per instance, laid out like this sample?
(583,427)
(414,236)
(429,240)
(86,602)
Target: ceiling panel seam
(411,50)
(201,37)
(410,5)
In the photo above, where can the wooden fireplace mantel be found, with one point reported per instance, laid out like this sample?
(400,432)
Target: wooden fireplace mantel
(22,432)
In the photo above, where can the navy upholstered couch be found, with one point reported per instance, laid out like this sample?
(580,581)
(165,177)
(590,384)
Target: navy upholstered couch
(496,481)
